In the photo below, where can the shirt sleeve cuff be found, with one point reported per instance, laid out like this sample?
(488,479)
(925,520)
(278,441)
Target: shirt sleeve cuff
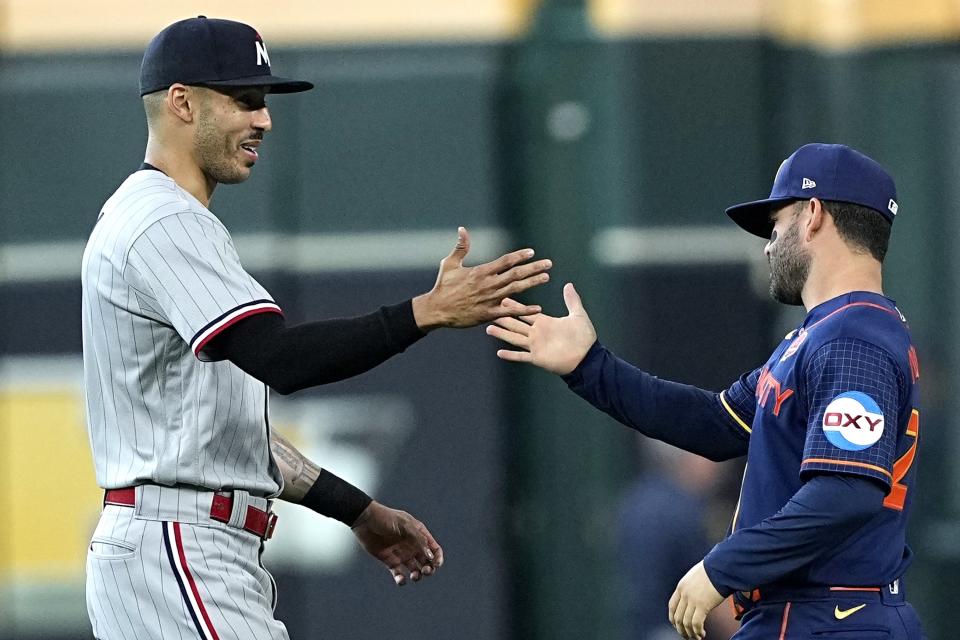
(401,326)
(575,377)
(716,576)
(811,466)
(227,319)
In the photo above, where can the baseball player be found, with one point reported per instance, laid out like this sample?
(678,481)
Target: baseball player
(829,424)
(180,345)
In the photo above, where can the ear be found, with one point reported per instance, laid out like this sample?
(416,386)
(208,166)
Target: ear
(816,219)
(182,101)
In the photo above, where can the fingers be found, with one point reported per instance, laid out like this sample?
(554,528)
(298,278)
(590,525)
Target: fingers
(572,299)
(422,554)
(514,325)
(677,608)
(515,356)
(672,608)
(437,551)
(510,337)
(396,571)
(460,250)
(697,624)
(413,566)
(688,624)
(514,286)
(517,309)
(404,567)
(524,272)
(686,617)
(507,261)
(430,555)
(431,548)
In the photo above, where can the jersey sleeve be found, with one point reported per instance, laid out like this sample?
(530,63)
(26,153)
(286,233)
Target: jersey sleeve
(853,391)
(681,415)
(187,268)
(739,400)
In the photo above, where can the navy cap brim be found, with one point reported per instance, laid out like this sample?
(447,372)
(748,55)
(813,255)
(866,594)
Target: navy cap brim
(277,85)
(755,216)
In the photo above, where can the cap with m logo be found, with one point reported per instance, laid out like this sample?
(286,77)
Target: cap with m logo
(211,52)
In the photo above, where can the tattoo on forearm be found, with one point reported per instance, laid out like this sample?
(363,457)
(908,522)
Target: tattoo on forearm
(298,472)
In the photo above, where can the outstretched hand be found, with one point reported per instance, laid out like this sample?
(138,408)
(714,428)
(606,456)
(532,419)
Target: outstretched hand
(468,296)
(555,344)
(399,541)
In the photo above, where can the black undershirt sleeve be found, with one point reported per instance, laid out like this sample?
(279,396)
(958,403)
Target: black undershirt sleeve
(288,359)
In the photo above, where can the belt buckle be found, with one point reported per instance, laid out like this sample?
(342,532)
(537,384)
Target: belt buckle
(271,525)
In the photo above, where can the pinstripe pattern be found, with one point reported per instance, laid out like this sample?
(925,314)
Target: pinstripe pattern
(134,593)
(161,278)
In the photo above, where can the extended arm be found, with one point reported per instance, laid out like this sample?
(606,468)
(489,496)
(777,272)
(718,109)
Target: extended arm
(682,415)
(687,417)
(289,359)
(292,358)
(393,537)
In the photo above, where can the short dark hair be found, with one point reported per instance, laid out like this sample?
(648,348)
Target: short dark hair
(860,227)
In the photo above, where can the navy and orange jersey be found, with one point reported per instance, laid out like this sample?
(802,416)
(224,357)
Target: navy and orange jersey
(838,396)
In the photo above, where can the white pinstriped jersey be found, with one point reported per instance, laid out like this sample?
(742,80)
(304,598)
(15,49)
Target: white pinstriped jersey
(161,278)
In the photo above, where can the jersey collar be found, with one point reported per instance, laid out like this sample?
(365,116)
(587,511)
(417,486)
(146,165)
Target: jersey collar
(146,166)
(833,305)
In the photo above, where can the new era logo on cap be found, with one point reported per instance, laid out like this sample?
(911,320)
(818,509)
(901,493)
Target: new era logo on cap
(843,175)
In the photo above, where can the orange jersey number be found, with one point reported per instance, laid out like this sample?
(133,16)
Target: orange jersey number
(898,492)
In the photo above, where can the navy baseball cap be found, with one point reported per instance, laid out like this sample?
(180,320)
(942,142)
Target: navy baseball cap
(213,53)
(824,171)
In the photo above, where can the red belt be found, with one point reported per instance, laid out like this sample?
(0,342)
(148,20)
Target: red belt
(260,523)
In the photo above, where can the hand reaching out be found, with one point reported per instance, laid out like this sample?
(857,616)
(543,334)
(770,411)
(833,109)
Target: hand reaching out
(468,296)
(555,344)
(399,541)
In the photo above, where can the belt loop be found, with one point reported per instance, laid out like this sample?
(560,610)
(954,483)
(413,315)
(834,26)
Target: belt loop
(892,594)
(238,515)
(138,500)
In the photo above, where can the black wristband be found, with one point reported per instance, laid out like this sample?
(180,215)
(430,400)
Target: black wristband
(336,498)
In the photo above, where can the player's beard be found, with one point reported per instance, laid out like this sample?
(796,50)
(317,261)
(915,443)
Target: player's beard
(216,153)
(789,268)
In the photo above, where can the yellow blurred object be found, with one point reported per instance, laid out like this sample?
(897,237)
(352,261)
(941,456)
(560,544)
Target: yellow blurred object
(845,24)
(624,17)
(823,24)
(41,25)
(49,495)
(56,24)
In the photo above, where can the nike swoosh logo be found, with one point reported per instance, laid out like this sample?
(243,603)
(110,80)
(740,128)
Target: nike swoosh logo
(840,615)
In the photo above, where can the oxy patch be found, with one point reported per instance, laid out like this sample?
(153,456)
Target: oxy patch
(853,421)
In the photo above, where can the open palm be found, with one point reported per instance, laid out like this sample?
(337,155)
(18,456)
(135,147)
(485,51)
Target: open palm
(555,344)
